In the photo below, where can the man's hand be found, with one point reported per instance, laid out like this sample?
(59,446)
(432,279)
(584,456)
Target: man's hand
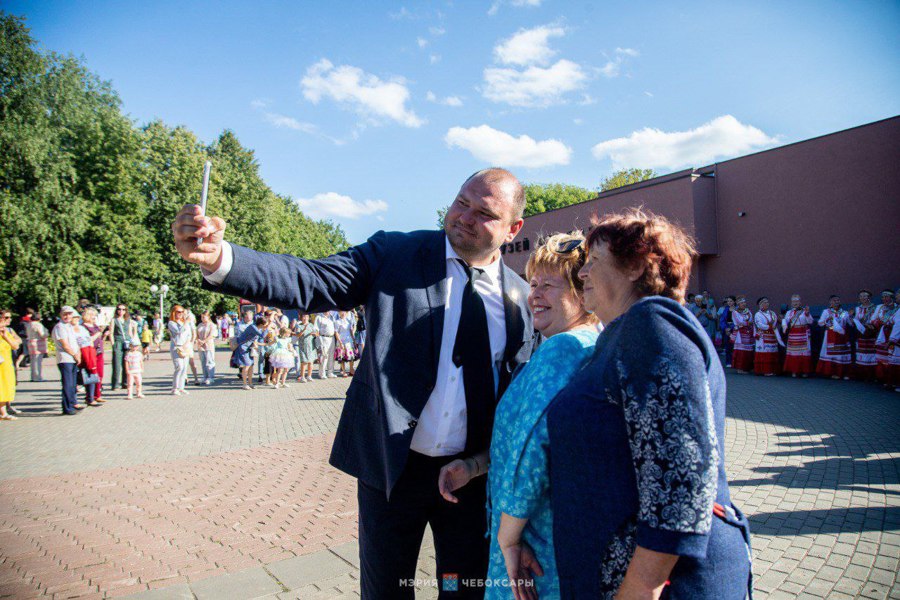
(188,226)
(453,476)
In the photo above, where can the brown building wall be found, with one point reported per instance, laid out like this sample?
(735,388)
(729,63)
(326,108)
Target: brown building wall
(820,217)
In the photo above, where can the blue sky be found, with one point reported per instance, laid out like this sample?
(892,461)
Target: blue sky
(373,113)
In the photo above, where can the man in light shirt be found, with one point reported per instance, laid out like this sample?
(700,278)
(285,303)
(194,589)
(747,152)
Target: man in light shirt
(325,323)
(447,323)
(68,356)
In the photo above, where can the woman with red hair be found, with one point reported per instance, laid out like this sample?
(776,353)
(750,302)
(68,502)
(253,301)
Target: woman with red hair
(180,336)
(638,488)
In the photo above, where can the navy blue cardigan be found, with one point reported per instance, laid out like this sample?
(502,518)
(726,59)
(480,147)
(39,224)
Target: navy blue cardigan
(637,457)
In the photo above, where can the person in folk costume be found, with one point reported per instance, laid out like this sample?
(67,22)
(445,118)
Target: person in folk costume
(861,318)
(796,324)
(744,341)
(883,322)
(834,359)
(766,360)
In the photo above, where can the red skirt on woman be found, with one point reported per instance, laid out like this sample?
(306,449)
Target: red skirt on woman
(885,372)
(744,349)
(834,361)
(798,359)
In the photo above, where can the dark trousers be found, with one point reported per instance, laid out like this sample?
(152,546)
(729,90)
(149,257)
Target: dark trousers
(69,374)
(391,532)
(118,364)
(729,348)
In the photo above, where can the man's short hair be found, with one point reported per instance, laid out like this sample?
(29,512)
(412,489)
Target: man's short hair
(497,174)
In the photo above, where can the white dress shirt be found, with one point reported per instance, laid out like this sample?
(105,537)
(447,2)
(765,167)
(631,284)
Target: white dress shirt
(441,428)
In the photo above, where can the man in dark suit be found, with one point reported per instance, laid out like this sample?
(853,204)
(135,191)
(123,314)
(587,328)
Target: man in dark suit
(447,324)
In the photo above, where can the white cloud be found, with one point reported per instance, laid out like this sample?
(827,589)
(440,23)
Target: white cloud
(613,66)
(587,100)
(434,59)
(723,137)
(534,86)
(528,46)
(364,92)
(517,3)
(454,101)
(578,121)
(422,42)
(332,204)
(402,14)
(285,122)
(648,94)
(500,148)
(436,31)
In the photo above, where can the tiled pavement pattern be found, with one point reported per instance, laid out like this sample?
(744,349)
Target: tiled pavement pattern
(227,494)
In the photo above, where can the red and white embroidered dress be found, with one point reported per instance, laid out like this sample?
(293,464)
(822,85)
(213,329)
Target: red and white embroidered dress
(765,361)
(744,340)
(887,345)
(864,364)
(834,359)
(798,359)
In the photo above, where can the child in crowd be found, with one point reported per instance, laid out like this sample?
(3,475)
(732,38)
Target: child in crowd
(134,370)
(265,355)
(146,338)
(282,357)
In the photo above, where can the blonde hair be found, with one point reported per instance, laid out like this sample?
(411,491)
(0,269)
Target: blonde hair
(562,254)
(549,258)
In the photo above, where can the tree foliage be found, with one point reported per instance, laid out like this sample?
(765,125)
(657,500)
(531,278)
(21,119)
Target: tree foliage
(624,177)
(543,197)
(87,198)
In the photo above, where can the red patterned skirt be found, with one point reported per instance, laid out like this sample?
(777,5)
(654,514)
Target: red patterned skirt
(864,365)
(767,363)
(798,359)
(885,372)
(835,360)
(744,349)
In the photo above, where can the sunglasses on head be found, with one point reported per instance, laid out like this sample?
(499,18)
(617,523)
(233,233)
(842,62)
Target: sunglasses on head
(568,246)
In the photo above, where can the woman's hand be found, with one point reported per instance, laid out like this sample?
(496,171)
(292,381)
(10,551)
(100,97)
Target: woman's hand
(521,568)
(453,476)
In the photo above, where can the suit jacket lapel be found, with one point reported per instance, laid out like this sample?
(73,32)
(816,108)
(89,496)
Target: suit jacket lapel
(512,311)
(433,259)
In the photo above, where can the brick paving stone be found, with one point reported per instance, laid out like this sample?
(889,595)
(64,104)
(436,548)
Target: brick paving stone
(175,592)
(243,585)
(178,491)
(308,569)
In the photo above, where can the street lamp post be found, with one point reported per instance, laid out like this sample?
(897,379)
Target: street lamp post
(162,290)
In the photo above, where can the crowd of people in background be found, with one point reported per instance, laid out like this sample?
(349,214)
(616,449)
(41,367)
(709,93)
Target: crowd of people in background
(263,341)
(276,346)
(268,348)
(860,343)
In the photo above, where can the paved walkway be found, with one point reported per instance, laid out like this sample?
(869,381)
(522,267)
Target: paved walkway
(228,494)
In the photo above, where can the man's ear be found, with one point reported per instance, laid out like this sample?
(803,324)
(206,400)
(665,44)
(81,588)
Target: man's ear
(514,230)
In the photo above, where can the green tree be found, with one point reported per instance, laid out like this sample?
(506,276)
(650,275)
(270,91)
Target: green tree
(543,197)
(87,198)
(624,177)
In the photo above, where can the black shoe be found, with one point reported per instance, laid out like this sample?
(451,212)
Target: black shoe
(13,411)
(64,413)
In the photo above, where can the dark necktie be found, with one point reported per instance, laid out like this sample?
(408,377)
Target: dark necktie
(472,352)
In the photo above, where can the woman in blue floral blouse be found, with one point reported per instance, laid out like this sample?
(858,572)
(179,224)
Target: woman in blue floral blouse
(521,524)
(641,507)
